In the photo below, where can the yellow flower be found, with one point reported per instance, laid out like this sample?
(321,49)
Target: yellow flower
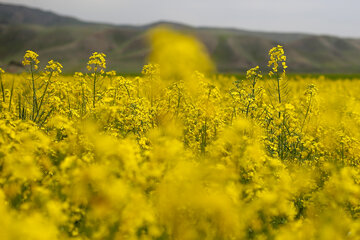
(277,58)
(253,72)
(151,69)
(97,62)
(53,68)
(31,58)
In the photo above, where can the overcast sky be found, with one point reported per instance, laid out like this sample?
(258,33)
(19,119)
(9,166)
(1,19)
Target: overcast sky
(334,17)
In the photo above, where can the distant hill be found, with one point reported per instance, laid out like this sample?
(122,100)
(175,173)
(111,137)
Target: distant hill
(71,41)
(12,14)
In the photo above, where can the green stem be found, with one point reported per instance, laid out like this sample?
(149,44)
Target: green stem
(94,90)
(83,103)
(307,113)
(19,97)
(11,93)
(34,107)
(2,88)
(42,97)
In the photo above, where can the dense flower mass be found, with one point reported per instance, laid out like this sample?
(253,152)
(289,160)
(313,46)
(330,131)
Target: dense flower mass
(175,156)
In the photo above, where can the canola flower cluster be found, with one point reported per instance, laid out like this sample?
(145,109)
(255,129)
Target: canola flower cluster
(177,156)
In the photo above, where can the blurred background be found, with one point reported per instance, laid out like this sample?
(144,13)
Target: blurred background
(318,36)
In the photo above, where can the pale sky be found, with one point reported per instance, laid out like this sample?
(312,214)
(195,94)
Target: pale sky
(333,17)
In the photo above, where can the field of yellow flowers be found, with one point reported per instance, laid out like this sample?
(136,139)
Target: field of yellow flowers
(178,153)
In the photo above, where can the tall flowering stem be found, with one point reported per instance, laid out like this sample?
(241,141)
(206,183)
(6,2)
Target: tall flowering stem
(53,69)
(253,75)
(96,65)
(277,61)
(278,64)
(31,59)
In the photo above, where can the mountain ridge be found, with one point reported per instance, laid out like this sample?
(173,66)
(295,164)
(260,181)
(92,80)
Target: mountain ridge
(18,14)
(71,41)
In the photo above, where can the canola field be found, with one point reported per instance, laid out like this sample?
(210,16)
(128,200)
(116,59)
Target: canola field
(178,152)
